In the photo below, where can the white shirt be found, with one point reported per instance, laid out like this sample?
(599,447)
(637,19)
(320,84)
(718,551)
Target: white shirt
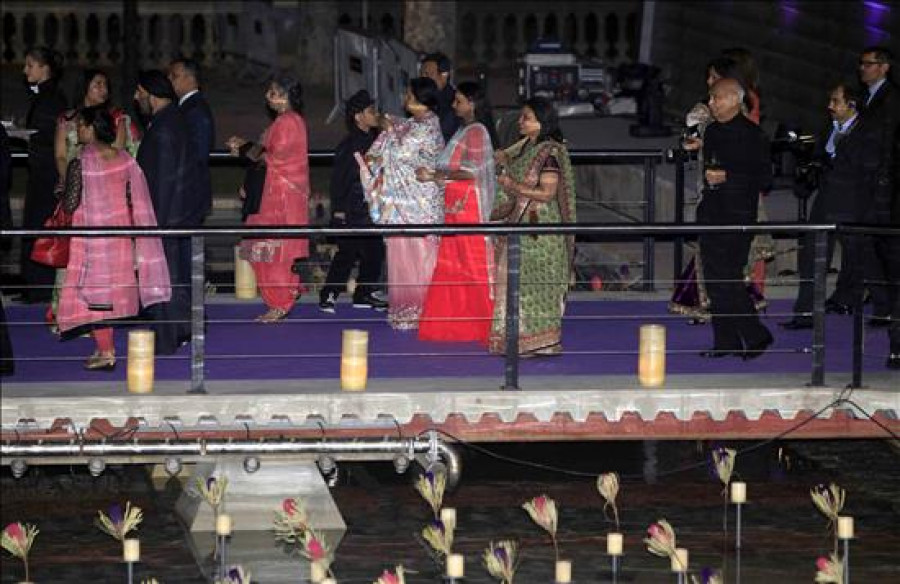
(873,89)
(838,128)
(186,96)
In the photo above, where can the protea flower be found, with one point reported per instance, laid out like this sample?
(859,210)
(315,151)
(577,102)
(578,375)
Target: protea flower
(660,539)
(235,575)
(829,500)
(119,523)
(17,539)
(431,486)
(395,577)
(723,460)
(315,549)
(708,576)
(608,486)
(500,560)
(439,537)
(291,521)
(213,491)
(542,511)
(830,570)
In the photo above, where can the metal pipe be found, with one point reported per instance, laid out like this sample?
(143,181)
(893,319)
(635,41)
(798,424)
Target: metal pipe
(649,217)
(198,318)
(202,447)
(820,268)
(512,312)
(453,463)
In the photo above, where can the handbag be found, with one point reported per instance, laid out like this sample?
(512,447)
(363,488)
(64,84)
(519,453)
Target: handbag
(53,250)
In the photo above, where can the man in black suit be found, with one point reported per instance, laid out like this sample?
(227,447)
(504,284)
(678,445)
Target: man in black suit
(732,196)
(185,77)
(849,158)
(437,67)
(166,156)
(349,208)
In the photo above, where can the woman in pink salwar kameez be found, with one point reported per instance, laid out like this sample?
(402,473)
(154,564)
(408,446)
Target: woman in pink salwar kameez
(108,277)
(284,201)
(397,197)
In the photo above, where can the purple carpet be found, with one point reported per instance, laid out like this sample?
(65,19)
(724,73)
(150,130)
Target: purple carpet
(600,338)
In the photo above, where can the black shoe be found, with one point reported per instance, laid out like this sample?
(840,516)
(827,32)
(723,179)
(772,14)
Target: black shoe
(893,361)
(756,350)
(715,353)
(879,321)
(369,301)
(833,307)
(327,302)
(796,324)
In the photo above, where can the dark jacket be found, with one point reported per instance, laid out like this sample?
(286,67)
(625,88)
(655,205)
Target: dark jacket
(202,131)
(167,157)
(6,221)
(743,152)
(449,121)
(882,115)
(346,189)
(848,181)
(45,108)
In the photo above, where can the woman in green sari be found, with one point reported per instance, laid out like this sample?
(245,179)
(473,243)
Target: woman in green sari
(537,186)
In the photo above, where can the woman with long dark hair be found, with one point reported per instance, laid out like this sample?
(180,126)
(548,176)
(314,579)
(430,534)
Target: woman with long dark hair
(459,303)
(397,197)
(108,278)
(42,69)
(285,197)
(537,185)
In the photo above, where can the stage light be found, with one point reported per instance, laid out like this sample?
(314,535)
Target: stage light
(173,466)
(96,466)
(327,465)
(251,464)
(401,463)
(18,467)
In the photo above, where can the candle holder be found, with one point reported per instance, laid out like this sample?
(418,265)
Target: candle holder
(614,547)
(563,572)
(680,565)
(738,498)
(845,532)
(652,355)
(131,554)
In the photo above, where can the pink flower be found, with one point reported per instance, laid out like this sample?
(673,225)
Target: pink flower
(14,531)
(822,564)
(289,506)
(315,549)
(389,578)
(660,539)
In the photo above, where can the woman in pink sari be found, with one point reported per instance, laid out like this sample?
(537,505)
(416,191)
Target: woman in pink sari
(284,201)
(397,197)
(108,277)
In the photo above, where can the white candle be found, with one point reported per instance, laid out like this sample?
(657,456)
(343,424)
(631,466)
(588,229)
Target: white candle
(140,361)
(563,572)
(223,524)
(448,518)
(456,566)
(680,560)
(614,544)
(329,581)
(845,528)
(652,355)
(354,360)
(317,573)
(244,277)
(131,550)
(738,493)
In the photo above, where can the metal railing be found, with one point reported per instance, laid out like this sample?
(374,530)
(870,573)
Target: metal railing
(513,233)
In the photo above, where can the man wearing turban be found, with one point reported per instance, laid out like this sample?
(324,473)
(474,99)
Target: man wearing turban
(170,165)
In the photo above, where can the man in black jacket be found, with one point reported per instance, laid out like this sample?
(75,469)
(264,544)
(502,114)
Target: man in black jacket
(166,156)
(349,208)
(849,158)
(184,74)
(731,196)
(437,67)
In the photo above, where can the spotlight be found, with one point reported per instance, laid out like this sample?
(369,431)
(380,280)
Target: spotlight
(173,466)
(327,465)
(18,467)
(251,464)
(401,463)
(96,466)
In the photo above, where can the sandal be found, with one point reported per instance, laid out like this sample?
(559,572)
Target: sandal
(272,316)
(101,362)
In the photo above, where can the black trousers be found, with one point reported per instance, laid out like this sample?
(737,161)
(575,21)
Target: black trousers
(734,320)
(172,320)
(886,253)
(878,276)
(849,277)
(370,253)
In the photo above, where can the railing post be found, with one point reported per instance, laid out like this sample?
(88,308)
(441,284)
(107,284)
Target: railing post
(678,247)
(512,311)
(198,317)
(820,246)
(858,316)
(649,217)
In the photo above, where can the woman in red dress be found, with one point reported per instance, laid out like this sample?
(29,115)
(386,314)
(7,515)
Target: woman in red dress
(284,201)
(459,303)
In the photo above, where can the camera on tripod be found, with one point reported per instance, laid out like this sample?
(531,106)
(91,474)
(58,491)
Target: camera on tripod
(794,154)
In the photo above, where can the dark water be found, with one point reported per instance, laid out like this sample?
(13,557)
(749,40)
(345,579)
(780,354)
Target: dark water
(783,533)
